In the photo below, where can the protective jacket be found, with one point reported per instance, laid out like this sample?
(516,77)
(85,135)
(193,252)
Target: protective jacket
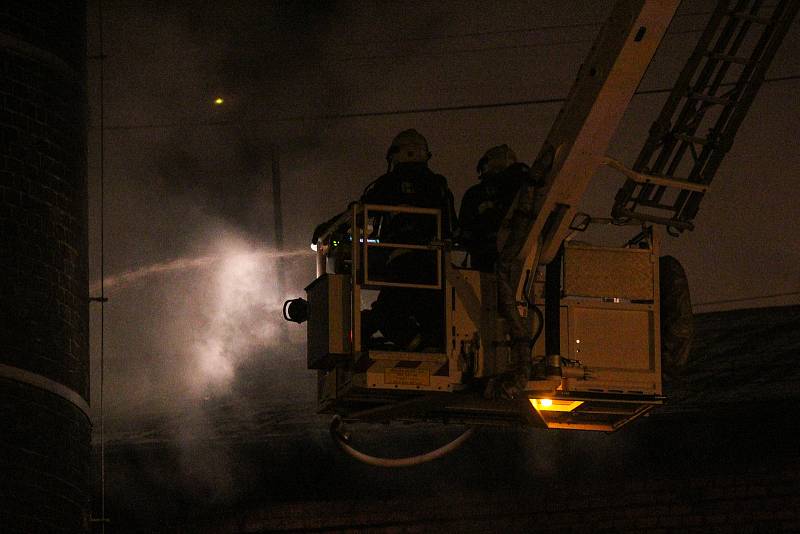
(408,317)
(482,211)
(412,184)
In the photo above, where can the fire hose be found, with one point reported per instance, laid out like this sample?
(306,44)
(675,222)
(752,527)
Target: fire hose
(342,437)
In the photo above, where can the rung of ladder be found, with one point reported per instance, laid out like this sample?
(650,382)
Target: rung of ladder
(678,183)
(730,59)
(692,139)
(643,179)
(708,98)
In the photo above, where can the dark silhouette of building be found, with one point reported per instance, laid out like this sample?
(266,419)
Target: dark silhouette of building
(44,360)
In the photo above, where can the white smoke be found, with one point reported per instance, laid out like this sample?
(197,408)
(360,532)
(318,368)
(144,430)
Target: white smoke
(243,294)
(178,330)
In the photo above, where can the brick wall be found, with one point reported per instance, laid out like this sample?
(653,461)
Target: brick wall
(44,442)
(43,277)
(43,460)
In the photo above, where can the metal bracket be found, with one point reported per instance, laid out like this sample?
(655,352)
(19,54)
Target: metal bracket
(641,178)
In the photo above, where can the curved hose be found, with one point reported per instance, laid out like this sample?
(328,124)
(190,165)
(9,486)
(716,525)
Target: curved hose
(395,462)
(540,320)
(522,219)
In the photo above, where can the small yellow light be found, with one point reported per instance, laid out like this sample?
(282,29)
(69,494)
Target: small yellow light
(550,405)
(219,101)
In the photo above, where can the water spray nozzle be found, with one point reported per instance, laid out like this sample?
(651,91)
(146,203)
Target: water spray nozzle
(295,310)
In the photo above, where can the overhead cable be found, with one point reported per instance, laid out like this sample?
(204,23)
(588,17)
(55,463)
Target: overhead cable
(386,113)
(748,299)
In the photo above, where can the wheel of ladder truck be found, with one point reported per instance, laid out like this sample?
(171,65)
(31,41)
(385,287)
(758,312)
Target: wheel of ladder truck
(677,320)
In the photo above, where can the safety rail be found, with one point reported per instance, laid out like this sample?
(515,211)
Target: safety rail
(375,247)
(368,221)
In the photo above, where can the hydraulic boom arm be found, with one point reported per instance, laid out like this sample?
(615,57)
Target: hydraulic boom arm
(578,140)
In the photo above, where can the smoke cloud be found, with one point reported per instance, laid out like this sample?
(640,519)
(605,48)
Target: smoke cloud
(209,315)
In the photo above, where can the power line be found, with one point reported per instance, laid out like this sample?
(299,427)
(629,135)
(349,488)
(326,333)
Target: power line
(451,52)
(463,35)
(458,51)
(507,31)
(746,299)
(388,113)
(102,299)
(472,35)
(477,34)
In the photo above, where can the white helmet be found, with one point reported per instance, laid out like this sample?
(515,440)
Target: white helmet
(409,146)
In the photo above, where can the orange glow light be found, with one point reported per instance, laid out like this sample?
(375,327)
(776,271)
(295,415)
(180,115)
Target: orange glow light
(550,405)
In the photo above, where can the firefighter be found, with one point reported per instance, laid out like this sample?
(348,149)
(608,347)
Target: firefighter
(485,204)
(409,181)
(411,318)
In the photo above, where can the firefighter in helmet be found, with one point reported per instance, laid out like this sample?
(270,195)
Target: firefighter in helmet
(485,204)
(409,181)
(410,318)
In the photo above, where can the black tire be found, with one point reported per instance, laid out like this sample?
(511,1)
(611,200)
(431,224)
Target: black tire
(677,320)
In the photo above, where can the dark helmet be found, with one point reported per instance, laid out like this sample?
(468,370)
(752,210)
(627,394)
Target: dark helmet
(496,159)
(408,146)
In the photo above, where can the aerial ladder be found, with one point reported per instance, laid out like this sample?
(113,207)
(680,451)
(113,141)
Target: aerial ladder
(582,322)
(698,123)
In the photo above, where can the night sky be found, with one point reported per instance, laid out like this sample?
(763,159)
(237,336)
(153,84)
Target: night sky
(187,182)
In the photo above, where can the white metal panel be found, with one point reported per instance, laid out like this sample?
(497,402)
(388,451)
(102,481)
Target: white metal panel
(611,338)
(608,272)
